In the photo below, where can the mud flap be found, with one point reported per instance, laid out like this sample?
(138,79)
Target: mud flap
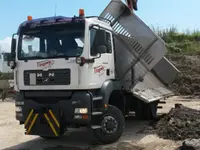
(43,122)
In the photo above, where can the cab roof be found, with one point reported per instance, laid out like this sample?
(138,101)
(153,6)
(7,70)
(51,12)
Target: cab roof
(49,20)
(62,19)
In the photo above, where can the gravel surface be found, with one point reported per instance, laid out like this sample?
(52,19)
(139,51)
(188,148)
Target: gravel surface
(13,138)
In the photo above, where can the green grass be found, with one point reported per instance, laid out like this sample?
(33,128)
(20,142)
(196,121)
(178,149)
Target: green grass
(186,42)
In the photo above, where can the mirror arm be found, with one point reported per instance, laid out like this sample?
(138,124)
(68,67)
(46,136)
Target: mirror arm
(90,60)
(97,56)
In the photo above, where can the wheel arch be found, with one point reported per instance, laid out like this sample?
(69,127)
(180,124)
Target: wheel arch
(107,89)
(113,95)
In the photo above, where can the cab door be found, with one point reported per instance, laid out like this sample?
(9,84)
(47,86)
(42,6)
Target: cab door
(101,49)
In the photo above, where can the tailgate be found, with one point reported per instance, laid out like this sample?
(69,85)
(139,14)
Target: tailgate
(151,89)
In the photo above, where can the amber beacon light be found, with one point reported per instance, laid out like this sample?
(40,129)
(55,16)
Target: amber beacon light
(29,18)
(81,12)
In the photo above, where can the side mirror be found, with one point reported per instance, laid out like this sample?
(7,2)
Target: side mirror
(13,47)
(11,59)
(101,37)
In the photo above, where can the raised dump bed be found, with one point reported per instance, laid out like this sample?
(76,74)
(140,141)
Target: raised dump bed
(142,69)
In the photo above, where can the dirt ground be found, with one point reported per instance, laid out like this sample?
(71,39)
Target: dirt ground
(187,83)
(12,134)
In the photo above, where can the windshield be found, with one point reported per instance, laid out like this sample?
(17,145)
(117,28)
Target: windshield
(51,43)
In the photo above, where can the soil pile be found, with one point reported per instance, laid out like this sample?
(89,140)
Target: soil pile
(188,81)
(119,146)
(179,124)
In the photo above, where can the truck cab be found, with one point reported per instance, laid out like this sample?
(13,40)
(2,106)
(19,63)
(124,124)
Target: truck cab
(70,50)
(60,66)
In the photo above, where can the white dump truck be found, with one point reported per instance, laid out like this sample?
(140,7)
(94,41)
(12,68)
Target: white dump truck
(88,72)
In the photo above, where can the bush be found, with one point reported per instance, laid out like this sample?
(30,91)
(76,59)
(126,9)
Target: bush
(187,42)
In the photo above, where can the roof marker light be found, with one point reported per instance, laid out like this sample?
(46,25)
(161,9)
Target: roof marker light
(81,13)
(29,18)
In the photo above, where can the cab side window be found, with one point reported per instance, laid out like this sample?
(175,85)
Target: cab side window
(100,39)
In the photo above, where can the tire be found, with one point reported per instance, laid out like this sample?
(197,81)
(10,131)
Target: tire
(106,138)
(146,111)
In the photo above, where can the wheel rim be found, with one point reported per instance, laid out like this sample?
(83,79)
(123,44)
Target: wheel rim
(109,125)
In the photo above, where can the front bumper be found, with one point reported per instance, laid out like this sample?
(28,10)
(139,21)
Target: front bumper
(62,106)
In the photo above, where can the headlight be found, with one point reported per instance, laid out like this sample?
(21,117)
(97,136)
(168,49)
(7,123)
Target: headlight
(81,111)
(18,109)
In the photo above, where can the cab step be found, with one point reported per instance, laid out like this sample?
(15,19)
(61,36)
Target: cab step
(95,127)
(97,113)
(98,98)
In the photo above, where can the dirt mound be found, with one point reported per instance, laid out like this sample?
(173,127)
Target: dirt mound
(179,124)
(188,81)
(119,146)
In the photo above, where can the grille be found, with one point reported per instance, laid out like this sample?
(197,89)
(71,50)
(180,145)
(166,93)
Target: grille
(50,77)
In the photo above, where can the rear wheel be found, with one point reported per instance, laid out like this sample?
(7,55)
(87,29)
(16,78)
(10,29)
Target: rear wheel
(112,126)
(146,111)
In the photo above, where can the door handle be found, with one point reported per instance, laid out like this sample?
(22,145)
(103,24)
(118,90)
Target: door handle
(108,72)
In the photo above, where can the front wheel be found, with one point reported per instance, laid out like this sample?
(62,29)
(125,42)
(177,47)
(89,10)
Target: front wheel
(112,126)
(146,111)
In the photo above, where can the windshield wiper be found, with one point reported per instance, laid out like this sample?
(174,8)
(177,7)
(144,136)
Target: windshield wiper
(26,59)
(59,56)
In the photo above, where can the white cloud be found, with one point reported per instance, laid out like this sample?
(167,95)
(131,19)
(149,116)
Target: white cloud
(5,44)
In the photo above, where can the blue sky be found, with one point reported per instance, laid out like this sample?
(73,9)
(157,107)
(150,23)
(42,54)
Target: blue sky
(162,13)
